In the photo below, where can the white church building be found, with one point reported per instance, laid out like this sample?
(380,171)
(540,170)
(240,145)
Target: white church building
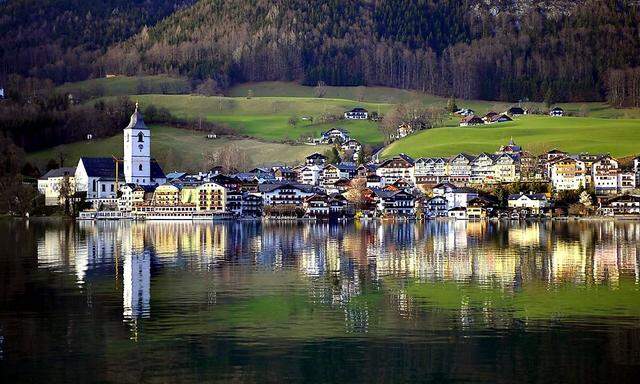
(101,177)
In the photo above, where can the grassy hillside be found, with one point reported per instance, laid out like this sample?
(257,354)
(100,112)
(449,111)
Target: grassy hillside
(267,117)
(620,137)
(388,95)
(180,149)
(128,85)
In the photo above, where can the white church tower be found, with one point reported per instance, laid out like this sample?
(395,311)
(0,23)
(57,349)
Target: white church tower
(137,151)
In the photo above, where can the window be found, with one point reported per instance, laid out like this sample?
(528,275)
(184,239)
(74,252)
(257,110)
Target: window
(140,167)
(140,137)
(102,187)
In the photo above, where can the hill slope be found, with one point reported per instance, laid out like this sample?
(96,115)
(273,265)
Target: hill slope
(474,49)
(618,137)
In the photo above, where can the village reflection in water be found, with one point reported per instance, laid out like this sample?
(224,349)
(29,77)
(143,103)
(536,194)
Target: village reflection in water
(485,254)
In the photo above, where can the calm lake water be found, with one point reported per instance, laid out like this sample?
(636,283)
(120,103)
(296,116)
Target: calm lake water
(252,302)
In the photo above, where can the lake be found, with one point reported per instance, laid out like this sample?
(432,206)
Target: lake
(316,302)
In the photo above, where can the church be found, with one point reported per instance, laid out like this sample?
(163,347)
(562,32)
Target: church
(101,177)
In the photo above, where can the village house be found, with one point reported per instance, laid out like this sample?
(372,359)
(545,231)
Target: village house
(374,181)
(285,194)
(556,112)
(455,196)
(310,174)
(351,145)
(356,114)
(507,168)
(621,205)
(515,111)
(212,197)
(394,202)
(626,181)
(284,174)
(604,172)
(396,168)
(316,159)
(133,195)
(316,205)
(568,174)
(335,135)
(436,207)
(431,170)
(459,168)
(403,130)
(471,120)
(458,213)
(482,169)
(535,203)
(51,183)
(498,118)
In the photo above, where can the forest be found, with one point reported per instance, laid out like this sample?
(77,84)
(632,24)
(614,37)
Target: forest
(555,50)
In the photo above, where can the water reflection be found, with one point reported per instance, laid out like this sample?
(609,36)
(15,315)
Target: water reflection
(337,259)
(369,302)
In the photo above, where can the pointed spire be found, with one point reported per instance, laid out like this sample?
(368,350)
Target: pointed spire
(136,121)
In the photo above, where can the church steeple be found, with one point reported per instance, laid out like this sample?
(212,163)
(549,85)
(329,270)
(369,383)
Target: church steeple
(136,121)
(137,150)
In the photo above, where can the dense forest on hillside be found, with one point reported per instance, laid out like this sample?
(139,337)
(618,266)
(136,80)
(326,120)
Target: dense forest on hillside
(60,39)
(556,50)
(505,50)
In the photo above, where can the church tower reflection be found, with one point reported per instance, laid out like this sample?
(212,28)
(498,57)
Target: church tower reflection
(136,274)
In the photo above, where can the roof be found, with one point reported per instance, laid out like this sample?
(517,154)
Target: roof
(533,196)
(156,170)
(358,109)
(105,168)
(516,110)
(136,121)
(472,118)
(316,155)
(99,166)
(175,175)
(269,187)
(59,172)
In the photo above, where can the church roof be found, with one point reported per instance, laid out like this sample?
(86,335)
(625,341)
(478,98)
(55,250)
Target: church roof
(136,121)
(105,167)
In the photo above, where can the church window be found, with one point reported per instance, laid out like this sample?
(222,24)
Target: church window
(140,167)
(140,137)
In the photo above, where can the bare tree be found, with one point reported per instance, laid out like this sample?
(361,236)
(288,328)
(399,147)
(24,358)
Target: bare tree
(320,90)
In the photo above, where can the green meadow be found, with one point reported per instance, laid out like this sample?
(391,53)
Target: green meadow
(267,117)
(619,137)
(180,149)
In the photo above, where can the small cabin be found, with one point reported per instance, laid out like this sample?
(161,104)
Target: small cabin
(356,114)
(556,112)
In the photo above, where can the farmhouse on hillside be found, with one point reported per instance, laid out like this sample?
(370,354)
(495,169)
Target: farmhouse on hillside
(471,120)
(356,114)
(556,112)
(335,135)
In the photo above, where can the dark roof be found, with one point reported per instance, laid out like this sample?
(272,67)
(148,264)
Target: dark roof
(316,155)
(105,167)
(557,109)
(59,172)
(516,110)
(269,187)
(136,121)
(156,170)
(99,166)
(358,109)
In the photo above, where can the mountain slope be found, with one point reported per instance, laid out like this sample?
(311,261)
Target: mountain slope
(60,39)
(508,50)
